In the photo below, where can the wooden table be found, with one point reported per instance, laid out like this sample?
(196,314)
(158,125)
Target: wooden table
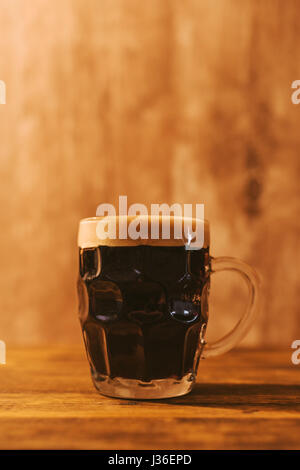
(244,400)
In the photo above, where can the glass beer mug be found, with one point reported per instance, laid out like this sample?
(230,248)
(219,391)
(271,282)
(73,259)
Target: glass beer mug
(143,309)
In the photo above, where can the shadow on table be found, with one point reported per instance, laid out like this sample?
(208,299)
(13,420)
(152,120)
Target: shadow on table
(252,396)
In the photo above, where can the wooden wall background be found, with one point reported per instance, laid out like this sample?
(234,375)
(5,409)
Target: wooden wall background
(161,100)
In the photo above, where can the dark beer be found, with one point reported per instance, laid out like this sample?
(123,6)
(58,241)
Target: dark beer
(143,302)
(142,310)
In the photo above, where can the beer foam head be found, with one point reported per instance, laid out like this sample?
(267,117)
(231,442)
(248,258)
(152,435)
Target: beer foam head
(143,230)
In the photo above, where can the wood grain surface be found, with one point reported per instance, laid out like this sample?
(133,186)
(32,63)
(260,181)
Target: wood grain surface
(162,101)
(243,400)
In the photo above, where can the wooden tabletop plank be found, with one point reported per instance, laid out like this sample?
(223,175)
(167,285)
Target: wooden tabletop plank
(243,400)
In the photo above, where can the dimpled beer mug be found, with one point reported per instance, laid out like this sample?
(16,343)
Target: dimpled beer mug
(143,308)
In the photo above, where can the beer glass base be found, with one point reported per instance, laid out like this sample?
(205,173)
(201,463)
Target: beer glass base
(119,387)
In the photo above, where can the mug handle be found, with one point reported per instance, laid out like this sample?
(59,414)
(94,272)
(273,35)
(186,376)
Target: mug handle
(244,324)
